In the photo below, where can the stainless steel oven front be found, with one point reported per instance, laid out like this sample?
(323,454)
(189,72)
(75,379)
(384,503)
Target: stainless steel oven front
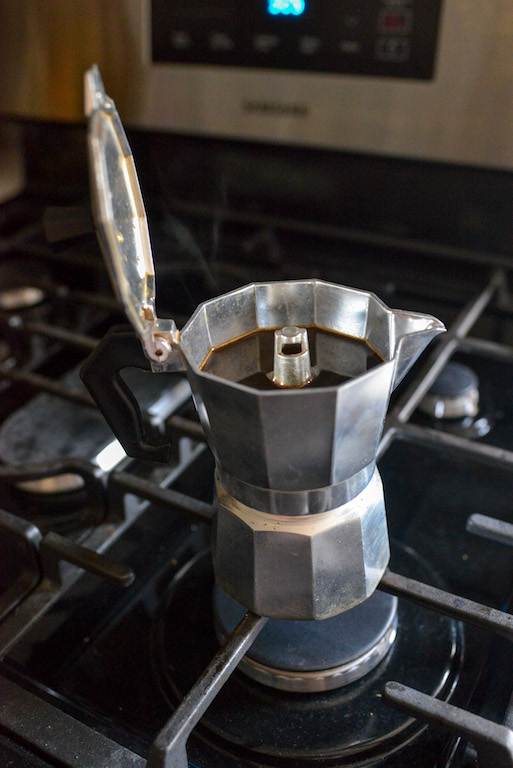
(409,78)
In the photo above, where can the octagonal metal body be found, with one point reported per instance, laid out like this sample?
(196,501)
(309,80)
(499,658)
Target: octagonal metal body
(298,439)
(301,528)
(302,567)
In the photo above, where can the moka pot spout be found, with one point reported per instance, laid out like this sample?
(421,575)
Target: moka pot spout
(413,332)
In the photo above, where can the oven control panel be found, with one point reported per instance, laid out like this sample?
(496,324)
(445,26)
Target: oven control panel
(383,38)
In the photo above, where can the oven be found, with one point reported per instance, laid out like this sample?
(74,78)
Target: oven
(362,144)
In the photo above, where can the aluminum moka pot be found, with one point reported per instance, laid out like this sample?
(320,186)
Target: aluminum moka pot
(300,528)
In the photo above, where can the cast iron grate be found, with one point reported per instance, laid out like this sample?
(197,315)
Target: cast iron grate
(493,742)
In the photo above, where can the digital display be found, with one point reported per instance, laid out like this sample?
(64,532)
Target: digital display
(286,7)
(379,38)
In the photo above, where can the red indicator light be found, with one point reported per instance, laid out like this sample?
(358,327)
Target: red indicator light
(394,22)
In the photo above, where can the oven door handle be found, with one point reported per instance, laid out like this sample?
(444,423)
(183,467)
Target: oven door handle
(101,373)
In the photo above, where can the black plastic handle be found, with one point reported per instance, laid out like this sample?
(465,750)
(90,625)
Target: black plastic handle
(120,349)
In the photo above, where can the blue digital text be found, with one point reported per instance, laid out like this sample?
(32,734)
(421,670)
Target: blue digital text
(286,7)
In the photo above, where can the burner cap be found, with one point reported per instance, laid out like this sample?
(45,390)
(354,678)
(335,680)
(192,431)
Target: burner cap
(454,395)
(21,297)
(310,656)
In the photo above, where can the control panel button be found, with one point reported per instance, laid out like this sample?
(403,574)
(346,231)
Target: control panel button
(392,49)
(220,42)
(266,43)
(351,20)
(309,45)
(395,21)
(350,46)
(180,40)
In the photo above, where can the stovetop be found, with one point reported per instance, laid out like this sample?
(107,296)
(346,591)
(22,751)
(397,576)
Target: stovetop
(108,644)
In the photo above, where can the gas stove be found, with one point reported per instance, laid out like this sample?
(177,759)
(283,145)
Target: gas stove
(116,647)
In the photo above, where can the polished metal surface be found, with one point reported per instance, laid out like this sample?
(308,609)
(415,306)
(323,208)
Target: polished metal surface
(121,223)
(262,438)
(299,502)
(292,366)
(301,567)
(454,394)
(325,680)
(463,115)
(451,407)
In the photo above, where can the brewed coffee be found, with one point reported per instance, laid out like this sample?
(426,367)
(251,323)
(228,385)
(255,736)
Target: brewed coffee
(249,359)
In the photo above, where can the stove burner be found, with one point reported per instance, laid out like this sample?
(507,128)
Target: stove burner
(453,404)
(350,725)
(48,486)
(454,395)
(22,297)
(313,656)
(42,431)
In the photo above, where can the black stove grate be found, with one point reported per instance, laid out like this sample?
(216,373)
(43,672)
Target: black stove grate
(494,743)
(28,717)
